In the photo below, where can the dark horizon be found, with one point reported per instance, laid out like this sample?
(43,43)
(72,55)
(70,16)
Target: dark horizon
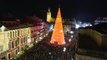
(69,8)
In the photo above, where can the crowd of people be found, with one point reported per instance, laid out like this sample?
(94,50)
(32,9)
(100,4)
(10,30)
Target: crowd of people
(45,51)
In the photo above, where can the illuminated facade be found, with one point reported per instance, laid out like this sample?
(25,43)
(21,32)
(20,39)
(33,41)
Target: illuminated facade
(18,39)
(37,32)
(58,33)
(14,40)
(49,19)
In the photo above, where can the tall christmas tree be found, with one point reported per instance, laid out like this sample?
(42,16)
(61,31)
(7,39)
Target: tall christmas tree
(58,33)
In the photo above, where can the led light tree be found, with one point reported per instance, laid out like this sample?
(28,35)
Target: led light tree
(58,33)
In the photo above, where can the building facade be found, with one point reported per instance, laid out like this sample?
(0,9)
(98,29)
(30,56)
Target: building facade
(13,40)
(91,45)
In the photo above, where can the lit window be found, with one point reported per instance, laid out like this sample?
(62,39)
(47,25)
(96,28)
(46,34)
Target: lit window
(69,40)
(29,40)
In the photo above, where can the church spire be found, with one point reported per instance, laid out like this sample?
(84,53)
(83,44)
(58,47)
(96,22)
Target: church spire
(49,10)
(49,16)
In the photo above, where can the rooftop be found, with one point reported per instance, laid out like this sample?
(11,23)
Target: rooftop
(88,45)
(11,27)
(102,28)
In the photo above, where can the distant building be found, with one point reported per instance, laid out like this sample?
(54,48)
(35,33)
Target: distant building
(92,43)
(49,18)
(100,20)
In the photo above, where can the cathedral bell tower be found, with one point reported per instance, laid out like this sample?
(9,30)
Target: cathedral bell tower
(49,16)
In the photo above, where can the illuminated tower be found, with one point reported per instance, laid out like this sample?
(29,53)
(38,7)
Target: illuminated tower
(49,16)
(58,33)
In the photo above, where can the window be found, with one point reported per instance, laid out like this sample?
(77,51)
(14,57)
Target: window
(21,32)
(18,32)
(16,51)
(10,34)
(9,56)
(16,43)
(21,40)
(13,33)
(13,44)
(25,39)
(9,45)
(1,49)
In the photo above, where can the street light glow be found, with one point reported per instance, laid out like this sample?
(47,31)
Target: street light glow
(64,49)
(77,26)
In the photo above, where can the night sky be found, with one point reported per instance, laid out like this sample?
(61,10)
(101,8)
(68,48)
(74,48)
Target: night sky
(69,8)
